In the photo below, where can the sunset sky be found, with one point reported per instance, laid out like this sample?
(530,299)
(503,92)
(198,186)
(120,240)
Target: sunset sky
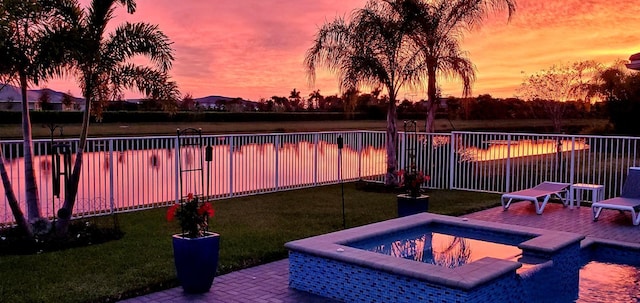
(255,49)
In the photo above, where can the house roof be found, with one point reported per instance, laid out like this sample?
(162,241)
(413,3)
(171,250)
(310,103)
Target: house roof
(634,62)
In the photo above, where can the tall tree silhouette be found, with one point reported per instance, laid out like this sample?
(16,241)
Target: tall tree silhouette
(370,49)
(555,86)
(29,56)
(43,38)
(438,26)
(102,66)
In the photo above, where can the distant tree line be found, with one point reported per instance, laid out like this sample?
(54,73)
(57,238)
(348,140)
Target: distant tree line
(582,90)
(621,91)
(482,107)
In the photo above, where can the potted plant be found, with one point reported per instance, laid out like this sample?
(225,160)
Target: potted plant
(195,249)
(413,201)
(411,181)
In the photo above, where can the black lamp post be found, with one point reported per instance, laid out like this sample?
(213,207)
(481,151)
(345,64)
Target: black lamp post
(58,169)
(340,146)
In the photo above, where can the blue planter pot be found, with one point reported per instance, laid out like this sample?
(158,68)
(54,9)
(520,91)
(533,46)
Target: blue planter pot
(196,261)
(408,205)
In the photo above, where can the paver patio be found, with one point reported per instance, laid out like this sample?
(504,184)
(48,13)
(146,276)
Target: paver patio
(612,224)
(269,283)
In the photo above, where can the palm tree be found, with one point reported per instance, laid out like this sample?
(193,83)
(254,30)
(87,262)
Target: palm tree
(438,27)
(101,64)
(315,98)
(295,100)
(371,50)
(24,26)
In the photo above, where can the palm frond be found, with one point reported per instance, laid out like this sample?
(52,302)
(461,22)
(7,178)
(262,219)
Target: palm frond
(98,15)
(329,46)
(372,49)
(151,82)
(129,4)
(455,64)
(131,39)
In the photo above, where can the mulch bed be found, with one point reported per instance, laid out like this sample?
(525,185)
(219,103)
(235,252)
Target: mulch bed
(81,233)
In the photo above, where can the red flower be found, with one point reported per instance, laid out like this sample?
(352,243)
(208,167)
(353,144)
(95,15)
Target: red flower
(171,212)
(192,214)
(206,209)
(427,178)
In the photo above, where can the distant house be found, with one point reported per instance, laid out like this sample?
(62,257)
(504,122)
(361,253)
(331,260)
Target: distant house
(11,99)
(441,105)
(634,62)
(221,103)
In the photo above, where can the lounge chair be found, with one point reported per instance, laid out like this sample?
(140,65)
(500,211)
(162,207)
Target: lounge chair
(629,199)
(543,191)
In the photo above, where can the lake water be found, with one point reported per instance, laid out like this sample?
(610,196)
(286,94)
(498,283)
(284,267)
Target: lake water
(140,175)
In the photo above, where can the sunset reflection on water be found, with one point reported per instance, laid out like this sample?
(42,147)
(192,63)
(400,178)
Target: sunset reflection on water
(608,282)
(147,176)
(442,249)
(499,150)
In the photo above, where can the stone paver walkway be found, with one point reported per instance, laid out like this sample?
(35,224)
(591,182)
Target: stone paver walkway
(612,224)
(269,283)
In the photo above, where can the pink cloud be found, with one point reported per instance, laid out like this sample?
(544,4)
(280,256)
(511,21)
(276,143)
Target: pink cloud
(255,49)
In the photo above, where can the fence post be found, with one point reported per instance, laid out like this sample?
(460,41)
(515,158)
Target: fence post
(573,160)
(403,151)
(177,168)
(277,156)
(635,148)
(452,162)
(231,139)
(359,155)
(316,141)
(111,181)
(507,186)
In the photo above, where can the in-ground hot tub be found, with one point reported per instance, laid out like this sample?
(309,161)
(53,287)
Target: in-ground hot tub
(353,265)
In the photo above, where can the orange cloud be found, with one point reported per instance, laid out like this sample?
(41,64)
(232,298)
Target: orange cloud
(255,49)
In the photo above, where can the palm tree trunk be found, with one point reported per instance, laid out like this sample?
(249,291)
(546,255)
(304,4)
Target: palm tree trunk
(432,103)
(392,142)
(18,215)
(71,189)
(31,187)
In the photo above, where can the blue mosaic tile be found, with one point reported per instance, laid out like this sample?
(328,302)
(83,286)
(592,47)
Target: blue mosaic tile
(338,278)
(350,283)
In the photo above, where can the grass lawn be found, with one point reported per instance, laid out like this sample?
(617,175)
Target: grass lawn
(253,231)
(14,131)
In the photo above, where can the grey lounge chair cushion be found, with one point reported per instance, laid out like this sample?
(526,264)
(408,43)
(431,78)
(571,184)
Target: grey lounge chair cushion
(631,187)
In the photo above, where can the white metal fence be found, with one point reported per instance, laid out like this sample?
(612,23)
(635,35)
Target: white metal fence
(124,174)
(502,162)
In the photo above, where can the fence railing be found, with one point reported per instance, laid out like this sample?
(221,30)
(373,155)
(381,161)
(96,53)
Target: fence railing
(500,162)
(125,174)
